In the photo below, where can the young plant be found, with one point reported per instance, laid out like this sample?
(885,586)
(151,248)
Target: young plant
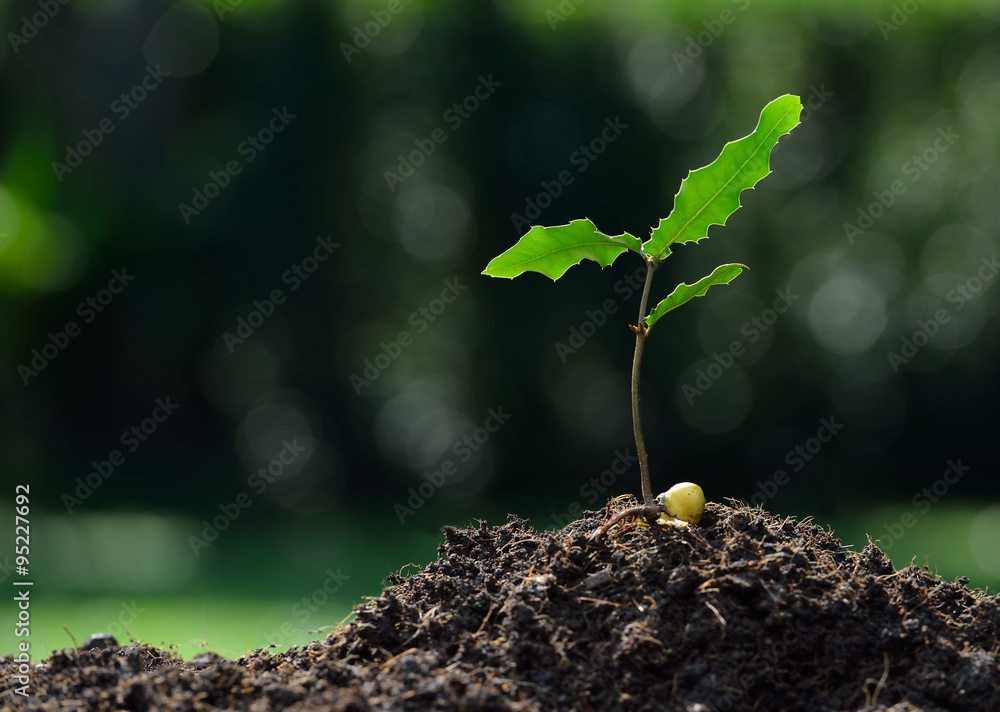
(707,196)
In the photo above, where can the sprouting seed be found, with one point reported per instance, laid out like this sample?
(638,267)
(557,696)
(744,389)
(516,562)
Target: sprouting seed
(680,506)
(683,504)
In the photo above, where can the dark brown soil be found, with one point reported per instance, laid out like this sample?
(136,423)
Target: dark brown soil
(744,612)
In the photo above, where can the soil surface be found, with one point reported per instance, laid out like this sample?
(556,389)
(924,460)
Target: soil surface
(745,611)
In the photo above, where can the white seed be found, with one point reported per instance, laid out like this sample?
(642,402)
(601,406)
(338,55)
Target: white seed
(684,501)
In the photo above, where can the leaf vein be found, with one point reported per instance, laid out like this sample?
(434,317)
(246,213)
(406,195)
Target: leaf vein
(728,182)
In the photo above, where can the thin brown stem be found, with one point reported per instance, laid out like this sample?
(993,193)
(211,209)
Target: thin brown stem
(646,512)
(640,330)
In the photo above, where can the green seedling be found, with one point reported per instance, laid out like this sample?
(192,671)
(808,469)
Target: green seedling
(707,196)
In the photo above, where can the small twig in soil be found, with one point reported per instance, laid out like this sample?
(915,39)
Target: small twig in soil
(71,637)
(649,512)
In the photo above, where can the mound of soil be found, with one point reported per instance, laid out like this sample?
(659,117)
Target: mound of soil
(746,611)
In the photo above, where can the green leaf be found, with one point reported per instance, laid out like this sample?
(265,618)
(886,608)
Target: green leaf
(709,195)
(553,250)
(683,293)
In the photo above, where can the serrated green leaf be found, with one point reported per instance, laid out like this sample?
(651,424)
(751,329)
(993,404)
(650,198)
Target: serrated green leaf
(709,195)
(553,250)
(683,293)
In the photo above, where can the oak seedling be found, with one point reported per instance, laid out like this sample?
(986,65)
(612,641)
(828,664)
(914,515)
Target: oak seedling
(707,196)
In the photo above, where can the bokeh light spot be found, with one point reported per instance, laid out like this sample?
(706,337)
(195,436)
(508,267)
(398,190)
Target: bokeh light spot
(184,41)
(433,223)
(984,533)
(847,314)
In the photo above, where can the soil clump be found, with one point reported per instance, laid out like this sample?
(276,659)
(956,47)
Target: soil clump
(746,611)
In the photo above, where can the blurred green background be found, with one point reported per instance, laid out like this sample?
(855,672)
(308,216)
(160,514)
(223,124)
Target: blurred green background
(250,366)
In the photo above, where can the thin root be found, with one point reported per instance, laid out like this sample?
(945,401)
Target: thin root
(649,512)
